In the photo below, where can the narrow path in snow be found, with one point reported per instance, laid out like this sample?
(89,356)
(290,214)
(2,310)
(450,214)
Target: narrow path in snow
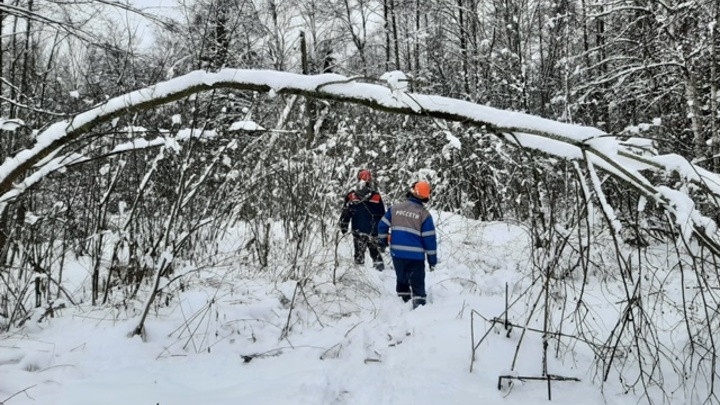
(382,353)
(405,356)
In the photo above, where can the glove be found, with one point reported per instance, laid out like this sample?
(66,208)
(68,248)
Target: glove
(432,268)
(343,229)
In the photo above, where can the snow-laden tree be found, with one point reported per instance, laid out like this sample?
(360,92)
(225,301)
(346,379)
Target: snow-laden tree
(596,163)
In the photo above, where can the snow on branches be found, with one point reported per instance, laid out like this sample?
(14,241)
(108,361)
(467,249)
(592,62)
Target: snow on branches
(566,141)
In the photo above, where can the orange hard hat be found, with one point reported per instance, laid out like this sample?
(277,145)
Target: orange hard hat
(365,176)
(421,189)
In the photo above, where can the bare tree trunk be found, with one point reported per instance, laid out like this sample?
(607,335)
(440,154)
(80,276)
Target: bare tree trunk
(463,45)
(406,23)
(309,105)
(714,111)
(586,39)
(604,111)
(2,57)
(474,48)
(279,45)
(26,53)
(393,13)
(545,70)
(4,247)
(99,235)
(693,105)
(61,265)
(359,39)
(417,36)
(566,79)
(12,73)
(386,17)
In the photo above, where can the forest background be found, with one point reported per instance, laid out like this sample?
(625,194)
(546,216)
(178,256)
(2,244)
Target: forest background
(627,67)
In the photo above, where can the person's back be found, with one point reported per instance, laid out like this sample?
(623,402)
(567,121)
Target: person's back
(410,231)
(362,210)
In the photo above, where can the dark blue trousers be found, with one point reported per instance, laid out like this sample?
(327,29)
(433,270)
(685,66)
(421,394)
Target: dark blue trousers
(410,280)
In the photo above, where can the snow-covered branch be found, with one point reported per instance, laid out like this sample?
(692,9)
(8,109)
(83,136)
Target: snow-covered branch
(326,86)
(563,140)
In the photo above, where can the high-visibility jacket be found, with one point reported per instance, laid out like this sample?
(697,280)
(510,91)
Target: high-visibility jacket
(410,231)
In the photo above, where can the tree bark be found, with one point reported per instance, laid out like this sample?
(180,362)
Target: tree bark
(417,36)
(386,17)
(393,13)
(26,54)
(309,106)
(463,45)
(714,94)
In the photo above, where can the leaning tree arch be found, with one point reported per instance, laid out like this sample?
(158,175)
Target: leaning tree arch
(588,148)
(567,141)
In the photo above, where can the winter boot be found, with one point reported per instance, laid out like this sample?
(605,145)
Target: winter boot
(418,301)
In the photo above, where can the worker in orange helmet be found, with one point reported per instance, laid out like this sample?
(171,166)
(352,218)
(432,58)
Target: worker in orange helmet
(413,240)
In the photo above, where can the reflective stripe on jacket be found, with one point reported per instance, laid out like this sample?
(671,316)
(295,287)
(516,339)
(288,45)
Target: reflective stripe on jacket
(413,231)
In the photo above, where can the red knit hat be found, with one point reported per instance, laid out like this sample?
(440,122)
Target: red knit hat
(365,176)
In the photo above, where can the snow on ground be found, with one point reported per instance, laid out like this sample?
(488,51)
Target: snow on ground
(223,341)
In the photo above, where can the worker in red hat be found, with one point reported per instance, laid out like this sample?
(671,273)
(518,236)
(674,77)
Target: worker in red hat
(362,210)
